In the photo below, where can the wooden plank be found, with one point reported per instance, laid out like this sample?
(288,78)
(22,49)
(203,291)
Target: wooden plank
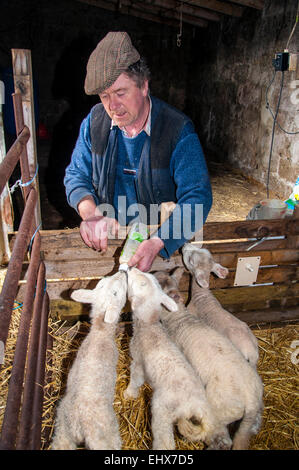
(234,231)
(145,11)
(221,7)
(53,246)
(258,4)
(64,264)
(274,257)
(227,259)
(6,208)
(165,6)
(100,267)
(71,311)
(258,297)
(250,229)
(23,82)
(268,316)
(103,267)
(277,275)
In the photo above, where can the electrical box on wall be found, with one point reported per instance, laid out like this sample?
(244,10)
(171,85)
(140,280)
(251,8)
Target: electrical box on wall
(285,61)
(281,61)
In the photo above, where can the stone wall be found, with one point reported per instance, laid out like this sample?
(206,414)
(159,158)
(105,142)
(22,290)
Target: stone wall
(233,71)
(218,76)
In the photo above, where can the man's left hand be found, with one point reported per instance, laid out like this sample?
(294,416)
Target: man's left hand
(146,253)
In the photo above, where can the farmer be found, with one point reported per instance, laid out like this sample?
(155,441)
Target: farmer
(134,150)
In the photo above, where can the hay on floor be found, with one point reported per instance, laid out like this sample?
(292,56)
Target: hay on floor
(276,366)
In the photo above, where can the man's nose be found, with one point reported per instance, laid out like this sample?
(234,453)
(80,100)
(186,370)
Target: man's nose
(114,103)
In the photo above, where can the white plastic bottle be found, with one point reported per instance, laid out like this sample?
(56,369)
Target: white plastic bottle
(138,233)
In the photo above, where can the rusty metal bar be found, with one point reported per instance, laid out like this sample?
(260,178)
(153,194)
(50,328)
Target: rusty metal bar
(12,157)
(10,285)
(48,389)
(35,437)
(27,404)
(11,416)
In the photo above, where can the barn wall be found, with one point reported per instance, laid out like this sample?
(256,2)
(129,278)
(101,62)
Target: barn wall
(61,35)
(218,76)
(230,79)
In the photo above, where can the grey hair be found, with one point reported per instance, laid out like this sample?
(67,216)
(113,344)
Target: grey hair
(139,72)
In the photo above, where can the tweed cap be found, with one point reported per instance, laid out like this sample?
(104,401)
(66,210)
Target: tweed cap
(112,56)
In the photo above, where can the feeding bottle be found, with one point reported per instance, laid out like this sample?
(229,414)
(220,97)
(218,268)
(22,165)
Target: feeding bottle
(137,234)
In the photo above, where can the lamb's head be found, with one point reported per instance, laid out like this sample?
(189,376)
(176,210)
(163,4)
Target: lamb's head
(169,281)
(107,298)
(146,296)
(200,263)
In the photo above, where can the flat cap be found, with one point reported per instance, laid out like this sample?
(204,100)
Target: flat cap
(112,56)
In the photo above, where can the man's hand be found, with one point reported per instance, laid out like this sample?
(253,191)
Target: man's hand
(96,229)
(146,253)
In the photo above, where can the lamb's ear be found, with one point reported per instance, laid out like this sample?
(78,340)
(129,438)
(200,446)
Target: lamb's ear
(83,295)
(177,274)
(220,271)
(111,315)
(169,303)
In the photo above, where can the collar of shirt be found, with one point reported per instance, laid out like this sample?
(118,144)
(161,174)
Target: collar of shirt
(147,126)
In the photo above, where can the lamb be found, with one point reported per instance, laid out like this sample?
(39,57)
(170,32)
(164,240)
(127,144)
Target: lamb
(233,388)
(203,303)
(178,393)
(85,413)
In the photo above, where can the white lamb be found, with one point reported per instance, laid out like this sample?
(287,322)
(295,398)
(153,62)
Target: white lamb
(233,387)
(86,414)
(178,393)
(200,263)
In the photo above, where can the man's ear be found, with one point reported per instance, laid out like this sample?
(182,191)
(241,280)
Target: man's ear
(220,271)
(169,303)
(83,295)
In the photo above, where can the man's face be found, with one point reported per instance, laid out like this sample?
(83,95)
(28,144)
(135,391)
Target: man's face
(124,102)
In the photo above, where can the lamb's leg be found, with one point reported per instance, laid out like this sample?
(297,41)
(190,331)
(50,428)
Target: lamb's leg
(248,427)
(101,429)
(136,380)
(62,439)
(162,427)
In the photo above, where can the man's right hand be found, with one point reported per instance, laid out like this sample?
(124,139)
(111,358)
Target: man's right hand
(96,229)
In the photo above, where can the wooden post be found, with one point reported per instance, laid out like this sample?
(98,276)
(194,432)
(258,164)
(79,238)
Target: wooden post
(6,209)
(22,70)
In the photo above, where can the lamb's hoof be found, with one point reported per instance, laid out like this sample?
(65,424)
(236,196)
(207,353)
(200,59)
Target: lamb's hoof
(220,443)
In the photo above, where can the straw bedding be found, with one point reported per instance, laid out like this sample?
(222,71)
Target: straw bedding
(276,367)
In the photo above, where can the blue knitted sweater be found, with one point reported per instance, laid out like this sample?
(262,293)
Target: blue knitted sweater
(187,168)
